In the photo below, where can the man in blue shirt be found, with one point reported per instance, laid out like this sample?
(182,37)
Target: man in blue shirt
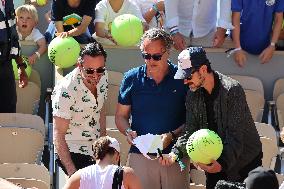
(254,30)
(156,102)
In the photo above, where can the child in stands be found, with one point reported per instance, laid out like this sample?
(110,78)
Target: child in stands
(27,19)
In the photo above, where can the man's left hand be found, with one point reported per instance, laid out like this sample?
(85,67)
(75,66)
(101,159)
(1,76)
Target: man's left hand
(267,54)
(214,167)
(23,81)
(219,37)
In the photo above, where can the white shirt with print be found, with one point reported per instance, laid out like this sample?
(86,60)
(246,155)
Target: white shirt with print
(72,100)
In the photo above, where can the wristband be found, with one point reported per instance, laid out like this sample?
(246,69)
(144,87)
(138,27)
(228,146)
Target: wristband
(272,44)
(232,51)
(22,65)
(127,131)
(37,54)
(155,7)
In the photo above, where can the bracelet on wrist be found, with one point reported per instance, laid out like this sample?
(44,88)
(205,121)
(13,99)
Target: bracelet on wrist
(272,44)
(22,65)
(155,7)
(127,130)
(37,54)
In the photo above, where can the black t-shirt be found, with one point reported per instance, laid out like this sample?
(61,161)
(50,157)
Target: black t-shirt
(209,102)
(70,16)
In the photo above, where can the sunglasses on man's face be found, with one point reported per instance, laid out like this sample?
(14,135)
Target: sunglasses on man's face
(191,74)
(156,57)
(90,71)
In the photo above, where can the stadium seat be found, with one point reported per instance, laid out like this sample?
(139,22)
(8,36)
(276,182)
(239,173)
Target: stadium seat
(196,186)
(254,91)
(266,130)
(21,138)
(124,145)
(26,175)
(35,78)
(270,151)
(278,88)
(20,145)
(114,79)
(28,98)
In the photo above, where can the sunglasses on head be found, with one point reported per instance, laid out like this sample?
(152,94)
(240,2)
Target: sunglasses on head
(90,71)
(156,57)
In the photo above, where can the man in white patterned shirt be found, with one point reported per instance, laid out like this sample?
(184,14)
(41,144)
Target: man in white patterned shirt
(78,109)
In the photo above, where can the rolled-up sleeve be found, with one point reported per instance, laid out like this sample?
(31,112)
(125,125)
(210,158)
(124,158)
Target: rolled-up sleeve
(62,103)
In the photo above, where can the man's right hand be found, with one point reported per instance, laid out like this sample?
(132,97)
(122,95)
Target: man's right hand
(179,41)
(240,57)
(130,136)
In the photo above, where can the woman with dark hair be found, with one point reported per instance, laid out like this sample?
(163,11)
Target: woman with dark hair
(105,174)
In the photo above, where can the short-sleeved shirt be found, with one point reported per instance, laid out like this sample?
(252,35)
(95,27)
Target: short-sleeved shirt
(61,11)
(72,100)
(105,14)
(34,36)
(155,109)
(256,22)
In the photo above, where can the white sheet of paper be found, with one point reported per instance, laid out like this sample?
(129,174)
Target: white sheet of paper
(148,143)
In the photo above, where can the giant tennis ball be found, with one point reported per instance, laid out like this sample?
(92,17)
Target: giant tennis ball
(203,146)
(15,68)
(63,52)
(127,30)
(41,2)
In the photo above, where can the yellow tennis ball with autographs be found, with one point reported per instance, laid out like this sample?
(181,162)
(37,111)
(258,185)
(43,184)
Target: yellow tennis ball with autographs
(127,30)
(203,146)
(41,2)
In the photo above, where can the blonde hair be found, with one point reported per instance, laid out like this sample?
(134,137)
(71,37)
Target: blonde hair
(29,9)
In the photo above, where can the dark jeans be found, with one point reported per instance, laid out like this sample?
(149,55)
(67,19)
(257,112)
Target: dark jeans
(8,95)
(212,179)
(80,161)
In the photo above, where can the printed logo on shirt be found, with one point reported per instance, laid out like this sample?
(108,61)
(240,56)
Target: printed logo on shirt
(72,19)
(270,2)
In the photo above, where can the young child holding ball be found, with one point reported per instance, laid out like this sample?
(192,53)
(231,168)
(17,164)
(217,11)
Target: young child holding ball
(27,19)
(106,12)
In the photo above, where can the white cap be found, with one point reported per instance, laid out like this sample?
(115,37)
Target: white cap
(114,143)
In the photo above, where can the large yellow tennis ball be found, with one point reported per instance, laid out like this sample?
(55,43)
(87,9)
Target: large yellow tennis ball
(203,146)
(41,2)
(63,52)
(28,69)
(127,30)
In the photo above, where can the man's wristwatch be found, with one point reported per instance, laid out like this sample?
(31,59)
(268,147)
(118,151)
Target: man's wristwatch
(127,131)
(22,65)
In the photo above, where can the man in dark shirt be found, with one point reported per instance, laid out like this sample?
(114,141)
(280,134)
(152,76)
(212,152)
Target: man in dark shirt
(9,48)
(217,102)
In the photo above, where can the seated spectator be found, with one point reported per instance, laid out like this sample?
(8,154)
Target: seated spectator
(254,21)
(258,178)
(106,12)
(196,23)
(27,19)
(105,174)
(71,19)
(153,12)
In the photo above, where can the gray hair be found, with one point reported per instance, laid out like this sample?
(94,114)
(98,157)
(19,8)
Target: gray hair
(157,34)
